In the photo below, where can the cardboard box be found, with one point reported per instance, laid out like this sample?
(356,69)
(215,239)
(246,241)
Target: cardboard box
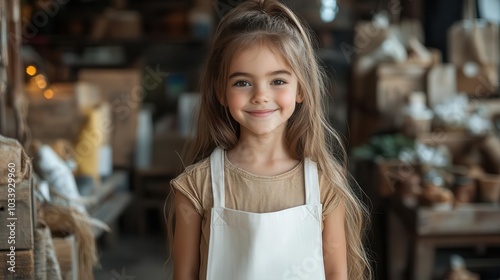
(124,24)
(122,89)
(60,114)
(117,24)
(395,82)
(483,84)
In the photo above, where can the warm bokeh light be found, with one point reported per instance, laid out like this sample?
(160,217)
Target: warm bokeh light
(42,84)
(40,81)
(39,78)
(48,94)
(31,70)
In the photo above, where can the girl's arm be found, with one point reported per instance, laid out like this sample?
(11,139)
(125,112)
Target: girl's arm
(186,239)
(334,245)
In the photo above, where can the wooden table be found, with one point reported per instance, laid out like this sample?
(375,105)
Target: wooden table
(414,234)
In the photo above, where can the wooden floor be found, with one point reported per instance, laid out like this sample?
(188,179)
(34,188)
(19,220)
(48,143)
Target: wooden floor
(142,257)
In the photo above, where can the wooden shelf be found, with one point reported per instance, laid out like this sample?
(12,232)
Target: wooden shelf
(68,40)
(467,219)
(155,6)
(414,234)
(111,209)
(111,199)
(108,187)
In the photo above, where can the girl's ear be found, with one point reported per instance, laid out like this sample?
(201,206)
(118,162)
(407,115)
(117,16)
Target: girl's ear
(221,99)
(300,97)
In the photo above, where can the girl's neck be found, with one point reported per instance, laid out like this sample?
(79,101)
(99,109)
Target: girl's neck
(263,156)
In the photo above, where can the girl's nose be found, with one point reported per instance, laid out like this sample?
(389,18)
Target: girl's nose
(260,95)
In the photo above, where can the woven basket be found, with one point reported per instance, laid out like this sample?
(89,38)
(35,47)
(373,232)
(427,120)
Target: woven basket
(40,254)
(46,264)
(69,220)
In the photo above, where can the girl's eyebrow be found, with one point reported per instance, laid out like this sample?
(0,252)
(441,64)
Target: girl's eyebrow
(273,73)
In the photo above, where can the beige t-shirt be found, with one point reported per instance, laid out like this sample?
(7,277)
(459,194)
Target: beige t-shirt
(245,191)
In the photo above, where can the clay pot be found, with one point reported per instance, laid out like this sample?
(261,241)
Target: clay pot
(464,189)
(489,188)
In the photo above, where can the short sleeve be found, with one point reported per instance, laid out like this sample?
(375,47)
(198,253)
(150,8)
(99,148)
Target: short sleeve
(328,195)
(194,183)
(184,183)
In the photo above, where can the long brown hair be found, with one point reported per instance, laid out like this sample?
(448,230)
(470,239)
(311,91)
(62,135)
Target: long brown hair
(308,133)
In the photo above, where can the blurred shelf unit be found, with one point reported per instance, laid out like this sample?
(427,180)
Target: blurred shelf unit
(125,28)
(69,40)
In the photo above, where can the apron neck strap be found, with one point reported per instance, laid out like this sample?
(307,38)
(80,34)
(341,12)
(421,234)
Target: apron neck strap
(217,173)
(311,181)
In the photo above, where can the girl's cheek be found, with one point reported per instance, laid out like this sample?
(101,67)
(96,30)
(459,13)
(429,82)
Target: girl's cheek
(289,93)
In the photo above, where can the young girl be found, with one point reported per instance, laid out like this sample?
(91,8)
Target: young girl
(264,196)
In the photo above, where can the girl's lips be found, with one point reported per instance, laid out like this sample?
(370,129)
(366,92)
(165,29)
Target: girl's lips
(260,113)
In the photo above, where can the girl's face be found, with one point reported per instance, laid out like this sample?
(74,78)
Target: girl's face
(261,92)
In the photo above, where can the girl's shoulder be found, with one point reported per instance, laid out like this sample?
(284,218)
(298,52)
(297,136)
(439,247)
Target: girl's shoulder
(194,183)
(193,172)
(200,166)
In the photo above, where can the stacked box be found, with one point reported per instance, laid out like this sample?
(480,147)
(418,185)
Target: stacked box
(16,212)
(123,90)
(56,117)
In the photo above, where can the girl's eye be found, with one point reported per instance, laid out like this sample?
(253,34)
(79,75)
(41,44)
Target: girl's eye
(242,84)
(278,82)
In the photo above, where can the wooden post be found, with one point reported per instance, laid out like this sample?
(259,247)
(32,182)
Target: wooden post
(15,98)
(14,39)
(3,66)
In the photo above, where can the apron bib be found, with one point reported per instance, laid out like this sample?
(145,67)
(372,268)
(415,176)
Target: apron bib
(281,245)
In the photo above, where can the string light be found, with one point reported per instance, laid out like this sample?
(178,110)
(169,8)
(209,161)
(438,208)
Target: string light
(40,81)
(48,93)
(31,70)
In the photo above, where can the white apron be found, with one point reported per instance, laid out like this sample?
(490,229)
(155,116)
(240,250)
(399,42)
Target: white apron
(285,244)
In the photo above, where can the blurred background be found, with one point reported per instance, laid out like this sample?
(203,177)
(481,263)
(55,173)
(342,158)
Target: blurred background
(100,95)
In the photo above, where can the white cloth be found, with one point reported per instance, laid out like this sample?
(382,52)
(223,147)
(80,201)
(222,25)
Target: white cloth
(285,244)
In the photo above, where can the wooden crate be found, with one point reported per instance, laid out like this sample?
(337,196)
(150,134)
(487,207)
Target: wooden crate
(13,156)
(15,164)
(67,255)
(24,265)
(24,217)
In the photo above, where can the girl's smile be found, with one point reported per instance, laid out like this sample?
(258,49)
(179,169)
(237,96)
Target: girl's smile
(261,113)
